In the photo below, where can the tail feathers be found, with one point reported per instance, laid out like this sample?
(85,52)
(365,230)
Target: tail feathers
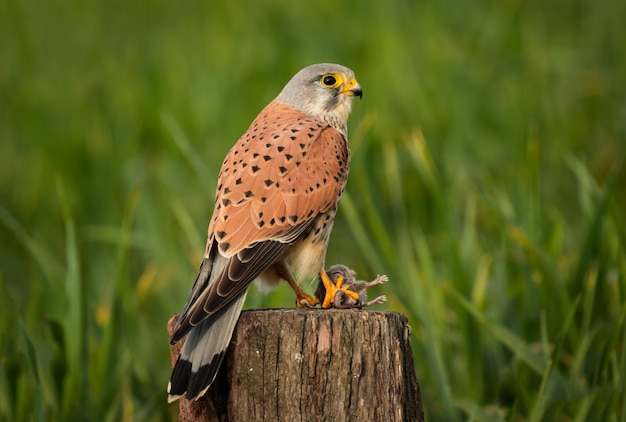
(203,353)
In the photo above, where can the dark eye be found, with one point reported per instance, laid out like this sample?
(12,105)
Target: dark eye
(329,80)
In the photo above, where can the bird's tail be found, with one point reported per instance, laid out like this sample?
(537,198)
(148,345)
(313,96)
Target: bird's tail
(203,352)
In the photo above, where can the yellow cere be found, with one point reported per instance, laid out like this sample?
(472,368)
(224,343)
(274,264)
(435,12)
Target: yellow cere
(351,83)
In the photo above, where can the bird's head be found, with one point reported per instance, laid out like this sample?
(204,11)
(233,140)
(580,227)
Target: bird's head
(324,91)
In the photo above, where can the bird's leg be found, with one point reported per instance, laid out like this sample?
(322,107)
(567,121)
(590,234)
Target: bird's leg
(332,289)
(303,299)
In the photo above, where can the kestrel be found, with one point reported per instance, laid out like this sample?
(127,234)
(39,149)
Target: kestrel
(275,203)
(346,284)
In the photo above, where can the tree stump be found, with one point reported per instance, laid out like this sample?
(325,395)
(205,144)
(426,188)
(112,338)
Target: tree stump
(312,365)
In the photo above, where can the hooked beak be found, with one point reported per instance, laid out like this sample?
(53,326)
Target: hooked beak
(352,88)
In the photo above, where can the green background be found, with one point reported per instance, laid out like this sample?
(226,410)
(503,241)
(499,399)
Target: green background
(487,181)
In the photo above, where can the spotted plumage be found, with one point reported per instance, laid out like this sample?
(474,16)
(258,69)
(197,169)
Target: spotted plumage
(275,203)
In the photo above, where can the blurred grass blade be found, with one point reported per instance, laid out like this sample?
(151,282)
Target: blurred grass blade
(38,401)
(186,148)
(391,169)
(608,350)
(47,263)
(358,135)
(420,154)
(427,305)
(476,413)
(535,361)
(357,228)
(558,391)
(74,327)
(598,212)
(621,382)
(189,228)
(114,356)
(481,278)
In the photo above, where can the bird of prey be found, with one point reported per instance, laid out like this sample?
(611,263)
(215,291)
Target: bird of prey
(275,203)
(345,278)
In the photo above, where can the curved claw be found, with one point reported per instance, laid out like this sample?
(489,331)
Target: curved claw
(306,301)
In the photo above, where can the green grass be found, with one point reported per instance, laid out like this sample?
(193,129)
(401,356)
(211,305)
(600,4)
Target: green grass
(488,181)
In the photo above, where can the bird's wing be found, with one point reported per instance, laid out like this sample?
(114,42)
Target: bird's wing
(286,170)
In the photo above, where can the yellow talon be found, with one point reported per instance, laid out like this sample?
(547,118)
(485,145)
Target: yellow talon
(332,289)
(329,297)
(350,293)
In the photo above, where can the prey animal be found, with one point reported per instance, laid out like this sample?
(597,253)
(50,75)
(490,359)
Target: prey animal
(345,281)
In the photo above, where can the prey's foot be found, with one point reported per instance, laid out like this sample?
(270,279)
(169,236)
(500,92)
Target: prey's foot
(333,288)
(379,299)
(378,280)
(343,301)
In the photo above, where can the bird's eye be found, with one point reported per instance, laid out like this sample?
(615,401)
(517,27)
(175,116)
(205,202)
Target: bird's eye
(329,80)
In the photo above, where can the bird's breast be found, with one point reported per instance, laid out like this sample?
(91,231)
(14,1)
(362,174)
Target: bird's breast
(307,256)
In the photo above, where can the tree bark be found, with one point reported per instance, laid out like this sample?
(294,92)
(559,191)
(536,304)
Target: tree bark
(312,365)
